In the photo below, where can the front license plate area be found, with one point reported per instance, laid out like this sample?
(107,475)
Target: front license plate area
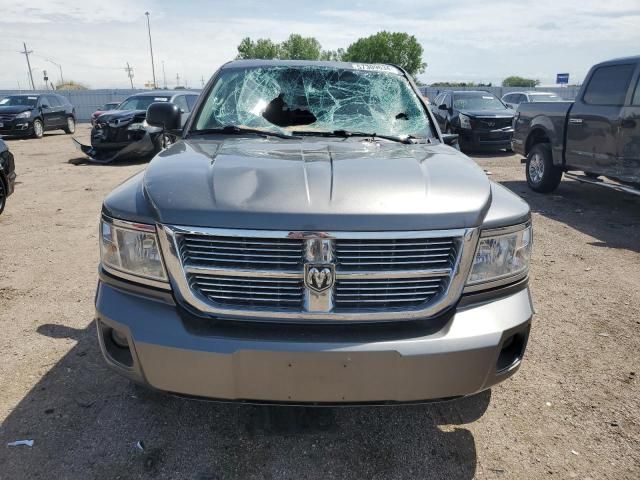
(331,377)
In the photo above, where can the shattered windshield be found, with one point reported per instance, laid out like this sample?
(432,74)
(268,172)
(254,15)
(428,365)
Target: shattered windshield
(141,102)
(19,100)
(315,99)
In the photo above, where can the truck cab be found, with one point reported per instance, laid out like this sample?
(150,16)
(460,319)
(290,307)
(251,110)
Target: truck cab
(599,134)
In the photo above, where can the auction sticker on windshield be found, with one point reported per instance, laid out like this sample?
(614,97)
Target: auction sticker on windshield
(372,67)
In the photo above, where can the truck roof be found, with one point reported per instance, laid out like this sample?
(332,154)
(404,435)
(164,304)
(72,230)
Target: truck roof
(382,67)
(615,61)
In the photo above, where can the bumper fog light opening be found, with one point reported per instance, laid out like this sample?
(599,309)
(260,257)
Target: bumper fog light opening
(119,339)
(511,352)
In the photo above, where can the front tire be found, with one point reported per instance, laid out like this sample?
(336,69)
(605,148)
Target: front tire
(38,128)
(542,175)
(71,126)
(3,194)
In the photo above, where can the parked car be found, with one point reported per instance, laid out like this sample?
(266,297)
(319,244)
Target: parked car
(480,119)
(513,99)
(7,174)
(32,115)
(599,134)
(312,238)
(107,107)
(122,133)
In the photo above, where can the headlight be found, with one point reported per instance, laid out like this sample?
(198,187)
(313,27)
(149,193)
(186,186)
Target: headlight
(26,114)
(501,256)
(132,249)
(136,126)
(465,122)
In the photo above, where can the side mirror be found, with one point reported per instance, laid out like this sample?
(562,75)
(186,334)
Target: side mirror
(44,105)
(509,105)
(165,115)
(451,139)
(443,107)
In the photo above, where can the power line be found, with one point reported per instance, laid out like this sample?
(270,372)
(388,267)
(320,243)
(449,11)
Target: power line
(26,54)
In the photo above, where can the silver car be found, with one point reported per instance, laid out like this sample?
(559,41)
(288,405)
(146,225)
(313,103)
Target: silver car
(313,238)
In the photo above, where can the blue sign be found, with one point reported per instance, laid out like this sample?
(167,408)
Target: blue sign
(562,78)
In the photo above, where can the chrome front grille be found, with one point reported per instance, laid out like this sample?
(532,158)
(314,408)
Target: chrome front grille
(308,276)
(249,291)
(388,293)
(241,252)
(392,255)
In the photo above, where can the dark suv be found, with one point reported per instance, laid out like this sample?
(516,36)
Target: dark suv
(480,118)
(32,115)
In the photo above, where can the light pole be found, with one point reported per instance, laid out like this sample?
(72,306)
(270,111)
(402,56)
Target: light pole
(59,67)
(164,76)
(153,68)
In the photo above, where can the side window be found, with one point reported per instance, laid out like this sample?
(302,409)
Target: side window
(636,94)
(522,98)
(447,100)
(608,85)
(191,101)
(43,101)
(53,101)
(181,103)
(436,101)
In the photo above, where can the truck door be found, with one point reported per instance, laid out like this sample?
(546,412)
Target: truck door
(594,120)
(629,137)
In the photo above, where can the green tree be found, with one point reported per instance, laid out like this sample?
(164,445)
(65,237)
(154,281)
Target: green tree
(515,81)
(398,48)
(333,55)
(262,48)
(297,47)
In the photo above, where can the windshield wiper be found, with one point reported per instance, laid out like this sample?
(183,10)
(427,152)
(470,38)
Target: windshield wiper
(236,130)
(347,133)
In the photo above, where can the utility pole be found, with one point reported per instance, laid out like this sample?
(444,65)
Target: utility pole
(164,76)
(129,71)
(153,68)
(26,54)
(177,79)
(202,80)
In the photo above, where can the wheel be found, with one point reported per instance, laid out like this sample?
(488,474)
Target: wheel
(542,175)
(71,125)
(38,128)
(3,194)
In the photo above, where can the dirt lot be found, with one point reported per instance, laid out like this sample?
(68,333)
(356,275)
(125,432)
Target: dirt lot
(573,410)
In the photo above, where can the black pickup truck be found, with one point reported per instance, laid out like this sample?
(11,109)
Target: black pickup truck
(598,134)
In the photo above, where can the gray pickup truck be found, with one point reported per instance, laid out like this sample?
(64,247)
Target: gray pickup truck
(599,134)
(311,238)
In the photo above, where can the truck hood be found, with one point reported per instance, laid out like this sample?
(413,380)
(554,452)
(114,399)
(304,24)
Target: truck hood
(319,185)
(15,108)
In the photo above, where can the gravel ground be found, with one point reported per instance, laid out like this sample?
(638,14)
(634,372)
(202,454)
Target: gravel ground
(571,412)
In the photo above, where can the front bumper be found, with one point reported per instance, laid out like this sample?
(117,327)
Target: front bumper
(485,139)
(17,127)
(108,153)
(172,351)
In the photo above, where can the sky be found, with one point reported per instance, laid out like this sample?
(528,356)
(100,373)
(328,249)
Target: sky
(463,40)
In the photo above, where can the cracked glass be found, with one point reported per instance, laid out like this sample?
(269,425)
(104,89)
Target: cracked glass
(316,99)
